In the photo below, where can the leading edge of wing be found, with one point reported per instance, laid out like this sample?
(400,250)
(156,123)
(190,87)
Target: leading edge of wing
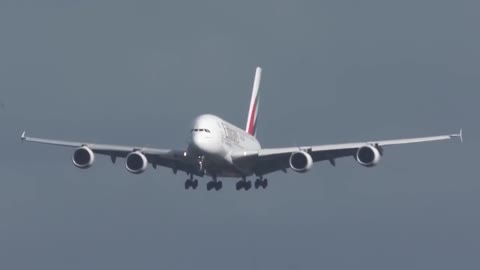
(342,146)
(421,139)
(96,147)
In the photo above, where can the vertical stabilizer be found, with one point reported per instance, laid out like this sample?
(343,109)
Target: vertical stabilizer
(253,110)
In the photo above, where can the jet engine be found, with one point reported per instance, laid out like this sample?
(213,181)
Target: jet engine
(136,162)
(83,157)
(368,155)
(300,161)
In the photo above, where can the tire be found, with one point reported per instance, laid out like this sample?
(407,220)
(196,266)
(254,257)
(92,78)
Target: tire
(265,183)
(195,184)
(239,185)
(210,186)
(248,185)
(257,184)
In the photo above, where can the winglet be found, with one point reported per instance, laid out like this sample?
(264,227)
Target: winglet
(23,137)
(459,135)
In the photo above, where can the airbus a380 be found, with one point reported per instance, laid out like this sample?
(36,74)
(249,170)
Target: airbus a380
(217,148)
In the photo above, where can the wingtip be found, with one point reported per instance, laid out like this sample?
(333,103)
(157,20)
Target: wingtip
(459,135)
(23,136)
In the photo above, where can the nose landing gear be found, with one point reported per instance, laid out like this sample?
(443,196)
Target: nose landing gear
(200,164)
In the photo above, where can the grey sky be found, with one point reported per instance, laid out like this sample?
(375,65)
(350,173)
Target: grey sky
(137,72)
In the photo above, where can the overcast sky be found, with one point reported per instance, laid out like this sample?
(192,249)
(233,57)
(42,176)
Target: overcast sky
(138,72)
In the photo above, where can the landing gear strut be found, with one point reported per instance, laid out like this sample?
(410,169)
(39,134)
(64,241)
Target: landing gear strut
(190,183)
(200,165)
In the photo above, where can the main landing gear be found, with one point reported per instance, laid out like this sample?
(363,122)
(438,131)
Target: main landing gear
(243,184)
(261,182)
(217,185)
(214,184)
(190,183)
(246,185)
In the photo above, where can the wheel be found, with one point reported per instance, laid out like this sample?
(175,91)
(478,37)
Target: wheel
(218,185)
(258,183)
(248,185)
(187,184)
(210,185)
(239,185)
(195,184)
(264,183)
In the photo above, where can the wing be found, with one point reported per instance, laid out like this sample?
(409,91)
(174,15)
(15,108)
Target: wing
(275,159)
(174,159)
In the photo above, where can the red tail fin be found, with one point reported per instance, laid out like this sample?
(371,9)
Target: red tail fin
(254,102)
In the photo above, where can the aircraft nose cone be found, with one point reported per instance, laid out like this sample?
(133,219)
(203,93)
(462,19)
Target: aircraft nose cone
(200,143)
(203,144)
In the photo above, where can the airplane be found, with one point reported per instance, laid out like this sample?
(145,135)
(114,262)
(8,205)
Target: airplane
(217,148)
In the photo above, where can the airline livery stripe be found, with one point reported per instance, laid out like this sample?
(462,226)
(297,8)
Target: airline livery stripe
(251,122)
(254,103)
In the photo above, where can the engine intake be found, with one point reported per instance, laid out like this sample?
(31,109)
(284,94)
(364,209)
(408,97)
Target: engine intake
(83,157)
(300,161)
(136,162)
(368,156)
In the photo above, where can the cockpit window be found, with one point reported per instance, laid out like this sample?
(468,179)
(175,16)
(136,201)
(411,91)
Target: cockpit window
(200,130)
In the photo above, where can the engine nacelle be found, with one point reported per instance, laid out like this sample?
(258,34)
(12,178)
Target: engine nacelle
(136,162)
(83,157)
(300,161)
(368,155)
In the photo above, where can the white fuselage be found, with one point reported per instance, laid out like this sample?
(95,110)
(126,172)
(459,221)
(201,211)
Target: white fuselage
(215,139)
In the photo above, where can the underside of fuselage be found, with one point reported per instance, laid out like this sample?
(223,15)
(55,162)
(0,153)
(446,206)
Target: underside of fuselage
(224,171)
(217,166)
